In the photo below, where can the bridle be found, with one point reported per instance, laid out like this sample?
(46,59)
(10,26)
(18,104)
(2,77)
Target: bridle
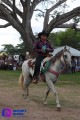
(65,64)
(65,61)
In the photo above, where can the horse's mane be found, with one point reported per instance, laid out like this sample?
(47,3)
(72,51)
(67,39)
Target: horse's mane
(57,56)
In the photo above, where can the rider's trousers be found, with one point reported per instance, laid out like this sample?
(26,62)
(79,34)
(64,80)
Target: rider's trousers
(39,59)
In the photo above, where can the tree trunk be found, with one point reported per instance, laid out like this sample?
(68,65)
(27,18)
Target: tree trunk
(28,41)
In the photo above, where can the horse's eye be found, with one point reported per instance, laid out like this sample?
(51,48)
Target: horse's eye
(65,56)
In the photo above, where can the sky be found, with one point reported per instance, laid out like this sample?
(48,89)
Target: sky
(11,36)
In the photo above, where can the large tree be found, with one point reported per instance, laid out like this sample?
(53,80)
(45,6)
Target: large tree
(20,19)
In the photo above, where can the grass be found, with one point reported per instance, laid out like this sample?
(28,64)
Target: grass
(69,79)
(64,79)
(68,87)
(9,78)
(9,74)
(75,78)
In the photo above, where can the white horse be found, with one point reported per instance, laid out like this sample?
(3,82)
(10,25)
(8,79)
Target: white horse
(61,58)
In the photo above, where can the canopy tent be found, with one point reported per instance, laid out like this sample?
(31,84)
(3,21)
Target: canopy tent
(3,53)
(74,52)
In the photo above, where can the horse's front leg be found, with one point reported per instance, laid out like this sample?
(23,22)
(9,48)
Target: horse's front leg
(53,90)
(57,99)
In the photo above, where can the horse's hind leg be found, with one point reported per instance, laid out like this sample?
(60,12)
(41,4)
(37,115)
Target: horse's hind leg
(25,89)
(27,82)
(45,99)
(26,92)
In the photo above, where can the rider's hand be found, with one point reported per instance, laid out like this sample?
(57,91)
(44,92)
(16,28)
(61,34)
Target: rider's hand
(42,50)
(47,50)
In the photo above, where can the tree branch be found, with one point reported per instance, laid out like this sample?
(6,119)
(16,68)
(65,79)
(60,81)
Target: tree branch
(10,19)
(62,19)
(9,4)
(22,2)
(56,5)
(34,4)
(46,18)
(71,25)
(12,13)
(6,25)
(39,10)
(14,9)
(66,25)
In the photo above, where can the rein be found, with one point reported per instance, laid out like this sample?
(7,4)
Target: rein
(53,60)
(54,72)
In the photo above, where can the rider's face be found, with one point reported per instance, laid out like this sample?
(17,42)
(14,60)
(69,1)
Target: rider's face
(43,37)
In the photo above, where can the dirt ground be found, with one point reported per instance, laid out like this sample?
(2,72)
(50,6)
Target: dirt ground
(11,97)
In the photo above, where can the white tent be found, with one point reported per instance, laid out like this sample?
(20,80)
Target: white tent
(74,52)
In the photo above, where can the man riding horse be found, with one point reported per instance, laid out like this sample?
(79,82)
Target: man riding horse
(42,48)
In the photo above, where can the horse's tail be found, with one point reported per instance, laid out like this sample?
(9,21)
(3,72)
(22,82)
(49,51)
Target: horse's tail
(21,80)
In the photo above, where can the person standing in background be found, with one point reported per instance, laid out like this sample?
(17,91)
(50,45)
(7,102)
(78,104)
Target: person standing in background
(73,64)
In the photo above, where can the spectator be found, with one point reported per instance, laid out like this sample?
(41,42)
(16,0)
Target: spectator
(78,65)
(73,65)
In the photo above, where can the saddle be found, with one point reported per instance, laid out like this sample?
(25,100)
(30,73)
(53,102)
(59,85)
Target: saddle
(43,68)
(31,63)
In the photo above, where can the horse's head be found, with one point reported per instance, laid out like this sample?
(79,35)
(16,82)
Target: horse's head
(61,60)
(66,57)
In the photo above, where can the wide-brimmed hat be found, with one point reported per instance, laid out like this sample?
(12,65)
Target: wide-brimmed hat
(43,33)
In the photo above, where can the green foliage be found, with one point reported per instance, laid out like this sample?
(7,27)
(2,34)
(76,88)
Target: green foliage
(69,79)
(9,78)
(20,48)
(69,37)
(10,49)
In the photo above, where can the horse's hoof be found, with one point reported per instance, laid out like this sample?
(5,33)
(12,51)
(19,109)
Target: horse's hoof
(43,99)
(23,95)
(59,109)
(45,103)
(27,99)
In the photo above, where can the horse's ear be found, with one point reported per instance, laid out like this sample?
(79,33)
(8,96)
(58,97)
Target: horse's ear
(64,48)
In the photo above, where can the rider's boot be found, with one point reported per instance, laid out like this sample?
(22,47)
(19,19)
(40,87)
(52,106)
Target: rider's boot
(35,80)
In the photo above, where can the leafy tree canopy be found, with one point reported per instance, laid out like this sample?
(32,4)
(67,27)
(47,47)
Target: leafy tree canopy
(11,50)
(69,37)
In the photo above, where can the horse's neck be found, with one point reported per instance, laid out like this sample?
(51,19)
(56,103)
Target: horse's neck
(56,66)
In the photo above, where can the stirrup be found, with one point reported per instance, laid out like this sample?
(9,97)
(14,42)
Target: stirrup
(35,80)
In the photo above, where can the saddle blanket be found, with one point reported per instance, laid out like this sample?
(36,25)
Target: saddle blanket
(45,64)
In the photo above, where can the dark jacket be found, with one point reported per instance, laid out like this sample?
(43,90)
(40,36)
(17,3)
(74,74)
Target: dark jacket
(46,46)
